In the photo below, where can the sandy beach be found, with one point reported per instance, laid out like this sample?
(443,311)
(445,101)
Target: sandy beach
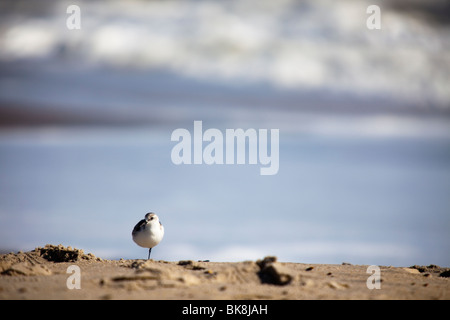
(46,273)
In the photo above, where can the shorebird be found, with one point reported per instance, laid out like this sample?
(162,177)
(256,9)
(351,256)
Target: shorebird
(148,232)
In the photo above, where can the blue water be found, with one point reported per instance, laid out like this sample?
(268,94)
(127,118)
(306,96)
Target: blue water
(365,200)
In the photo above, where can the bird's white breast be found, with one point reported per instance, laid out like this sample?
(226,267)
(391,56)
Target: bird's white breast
(150,235)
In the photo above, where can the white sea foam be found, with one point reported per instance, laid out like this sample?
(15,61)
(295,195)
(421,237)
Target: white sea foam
(315,44)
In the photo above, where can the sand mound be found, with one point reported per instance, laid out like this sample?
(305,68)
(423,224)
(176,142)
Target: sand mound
(23,263)
(432,269)
(34,262)
(60,253)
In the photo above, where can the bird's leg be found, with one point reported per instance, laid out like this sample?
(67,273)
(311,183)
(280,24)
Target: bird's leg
(149,251)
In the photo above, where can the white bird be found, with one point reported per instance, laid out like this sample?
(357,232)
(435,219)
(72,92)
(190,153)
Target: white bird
(148,232)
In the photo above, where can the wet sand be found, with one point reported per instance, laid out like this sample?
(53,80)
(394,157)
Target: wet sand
(44,273)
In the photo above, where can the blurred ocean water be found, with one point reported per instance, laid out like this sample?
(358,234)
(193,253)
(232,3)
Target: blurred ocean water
(363,200)
(86,118)
(288,44)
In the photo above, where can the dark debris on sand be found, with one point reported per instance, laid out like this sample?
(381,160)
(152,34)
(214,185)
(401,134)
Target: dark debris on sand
(433,269)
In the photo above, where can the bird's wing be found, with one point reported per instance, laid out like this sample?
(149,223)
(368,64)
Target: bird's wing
(141,224)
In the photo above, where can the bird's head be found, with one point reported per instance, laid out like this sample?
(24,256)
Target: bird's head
(151,217)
